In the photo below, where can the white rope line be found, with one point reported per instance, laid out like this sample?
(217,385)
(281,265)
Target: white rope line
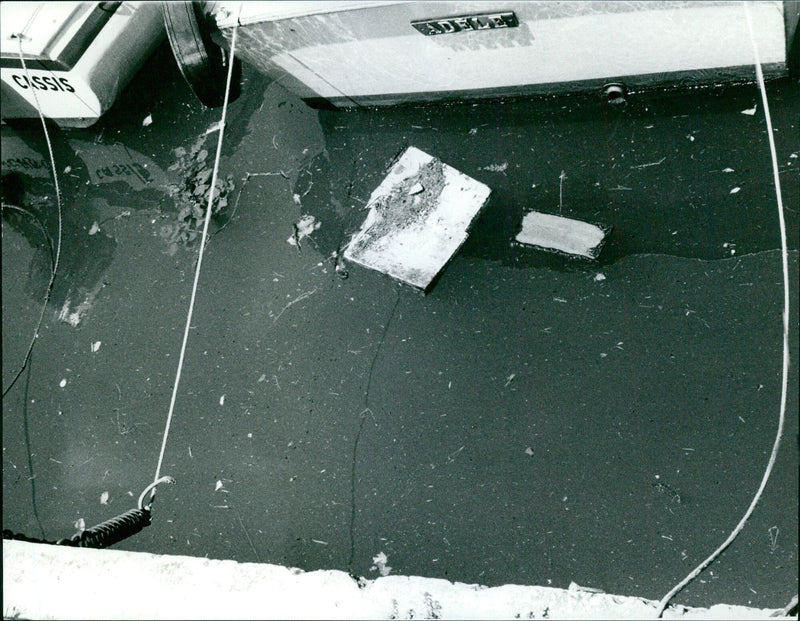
(785,379)
(203,238)
(27,358)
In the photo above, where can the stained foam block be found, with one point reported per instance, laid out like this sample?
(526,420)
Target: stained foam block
(419,216)
(565,235)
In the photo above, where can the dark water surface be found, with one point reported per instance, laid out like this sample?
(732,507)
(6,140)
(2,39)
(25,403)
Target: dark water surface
(532,420)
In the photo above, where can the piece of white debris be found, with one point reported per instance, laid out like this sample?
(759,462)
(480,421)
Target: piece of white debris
(303,228)
(104,498)
(96,346)
(413,239)
(222,400)
(380,564)
(750,111)
(598,277)
(218,486)
(213,128)
(529,451)
(80,524)
(728,170)
(559,234)
(68,170)
(735,190)
(63,382)
(690,137)
(296,199)
(94,229)
(415,189)
(148,120)
(496,167)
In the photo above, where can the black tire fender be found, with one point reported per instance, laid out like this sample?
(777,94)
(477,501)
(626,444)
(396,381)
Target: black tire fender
(202,62)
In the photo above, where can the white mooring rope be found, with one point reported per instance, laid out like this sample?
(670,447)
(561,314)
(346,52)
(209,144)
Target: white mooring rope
(203,238)
(21,36)
(785,379)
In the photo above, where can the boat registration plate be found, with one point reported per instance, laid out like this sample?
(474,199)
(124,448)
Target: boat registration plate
(480,21)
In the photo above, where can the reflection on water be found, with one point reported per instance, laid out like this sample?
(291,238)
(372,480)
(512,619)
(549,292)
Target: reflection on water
(118,163)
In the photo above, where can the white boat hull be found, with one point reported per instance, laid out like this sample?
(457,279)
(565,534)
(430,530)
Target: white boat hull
(78,56)
(367,53)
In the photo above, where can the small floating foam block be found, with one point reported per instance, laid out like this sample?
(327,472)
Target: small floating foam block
(418,218)
(560,234)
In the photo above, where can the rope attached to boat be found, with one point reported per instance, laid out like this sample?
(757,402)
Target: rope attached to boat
(131,522)
(22,37)
(204,238)
(785,377)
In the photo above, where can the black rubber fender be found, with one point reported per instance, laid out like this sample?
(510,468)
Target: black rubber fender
(202,62)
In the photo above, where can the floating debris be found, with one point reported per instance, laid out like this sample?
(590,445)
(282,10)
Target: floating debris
(735,190)
(306,225)
(63,383)
(104,498)
(191,195)
(95,228)
(95,346)
(411,237)
(750,111)
(380,564)
(565,235)
(74,316)
(501,168)
(148,120)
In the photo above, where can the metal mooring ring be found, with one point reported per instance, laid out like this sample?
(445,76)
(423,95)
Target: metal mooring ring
(152,488)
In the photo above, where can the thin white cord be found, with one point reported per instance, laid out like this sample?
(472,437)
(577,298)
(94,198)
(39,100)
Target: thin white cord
(27,358)
(785,380)
(199,261)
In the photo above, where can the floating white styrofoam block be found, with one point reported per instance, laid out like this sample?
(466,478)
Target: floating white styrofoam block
(562,234)
(418,218)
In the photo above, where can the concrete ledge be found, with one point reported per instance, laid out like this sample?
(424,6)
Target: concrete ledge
(53,582)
